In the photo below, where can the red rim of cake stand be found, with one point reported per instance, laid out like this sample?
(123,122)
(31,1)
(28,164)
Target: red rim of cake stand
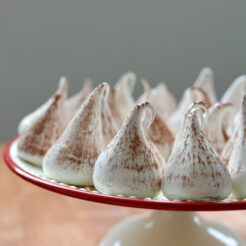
(118,200)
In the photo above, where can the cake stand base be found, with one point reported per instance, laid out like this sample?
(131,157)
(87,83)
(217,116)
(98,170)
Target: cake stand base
(172,229)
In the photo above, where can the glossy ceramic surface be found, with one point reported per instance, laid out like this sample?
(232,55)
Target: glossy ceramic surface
(170,228)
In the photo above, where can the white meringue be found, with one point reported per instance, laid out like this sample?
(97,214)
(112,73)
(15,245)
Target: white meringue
(215,127)
(45,130)
(227,150)
(71,159)
(109,126)
(235,92)
(195,170)
(162,100)
(233,95)
(28,120)
(74,102)
(120,99)
(190,96)
(158,132)
(205,81)
(237,162)
(161,136)
(129,166)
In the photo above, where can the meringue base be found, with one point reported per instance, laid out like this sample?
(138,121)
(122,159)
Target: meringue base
(34,159)
(172,229)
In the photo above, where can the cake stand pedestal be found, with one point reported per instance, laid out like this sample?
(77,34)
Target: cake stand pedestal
(173,223)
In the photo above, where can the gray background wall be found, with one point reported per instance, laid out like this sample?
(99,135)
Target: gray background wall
(41,40)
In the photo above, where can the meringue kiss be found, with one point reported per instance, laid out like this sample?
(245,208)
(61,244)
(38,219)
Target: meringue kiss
(237,162)
(129,166)
(205,81)
(159,133)
(74,102)
(71,159)
(216,125)
(162,100)
(109,126)
(28,120)
(120,99)
(195,171)
(45,130)
(190,96)
(235,92)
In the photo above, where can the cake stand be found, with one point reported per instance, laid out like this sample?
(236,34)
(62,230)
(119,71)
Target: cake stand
(173,223)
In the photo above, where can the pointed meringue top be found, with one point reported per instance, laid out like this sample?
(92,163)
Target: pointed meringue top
(237,162)
(234,95)
(195,171)
(216,125)
(45,130)
(190,96)
(129,166)
(74,102)
(28,120)
(235,92)
(72,158)
(205,81)
(160,97)
(121,101)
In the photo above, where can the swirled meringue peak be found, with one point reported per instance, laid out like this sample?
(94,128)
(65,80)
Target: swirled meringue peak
(216,124)
(161,99)
(237,162)
(74,102)
(195,170)
(71,159)
(28,120)
(158,132)
(190,96)
(120,99)
(205,81)
(129,166)
(45,130)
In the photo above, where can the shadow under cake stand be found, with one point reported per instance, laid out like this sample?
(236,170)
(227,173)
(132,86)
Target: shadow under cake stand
(173,223)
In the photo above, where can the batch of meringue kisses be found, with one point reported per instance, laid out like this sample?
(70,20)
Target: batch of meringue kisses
(102,137)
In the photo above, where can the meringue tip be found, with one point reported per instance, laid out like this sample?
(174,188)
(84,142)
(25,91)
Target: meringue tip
(146,85)
(63,81)
(129,80)
(207,70)
(62,85)
(147,106)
